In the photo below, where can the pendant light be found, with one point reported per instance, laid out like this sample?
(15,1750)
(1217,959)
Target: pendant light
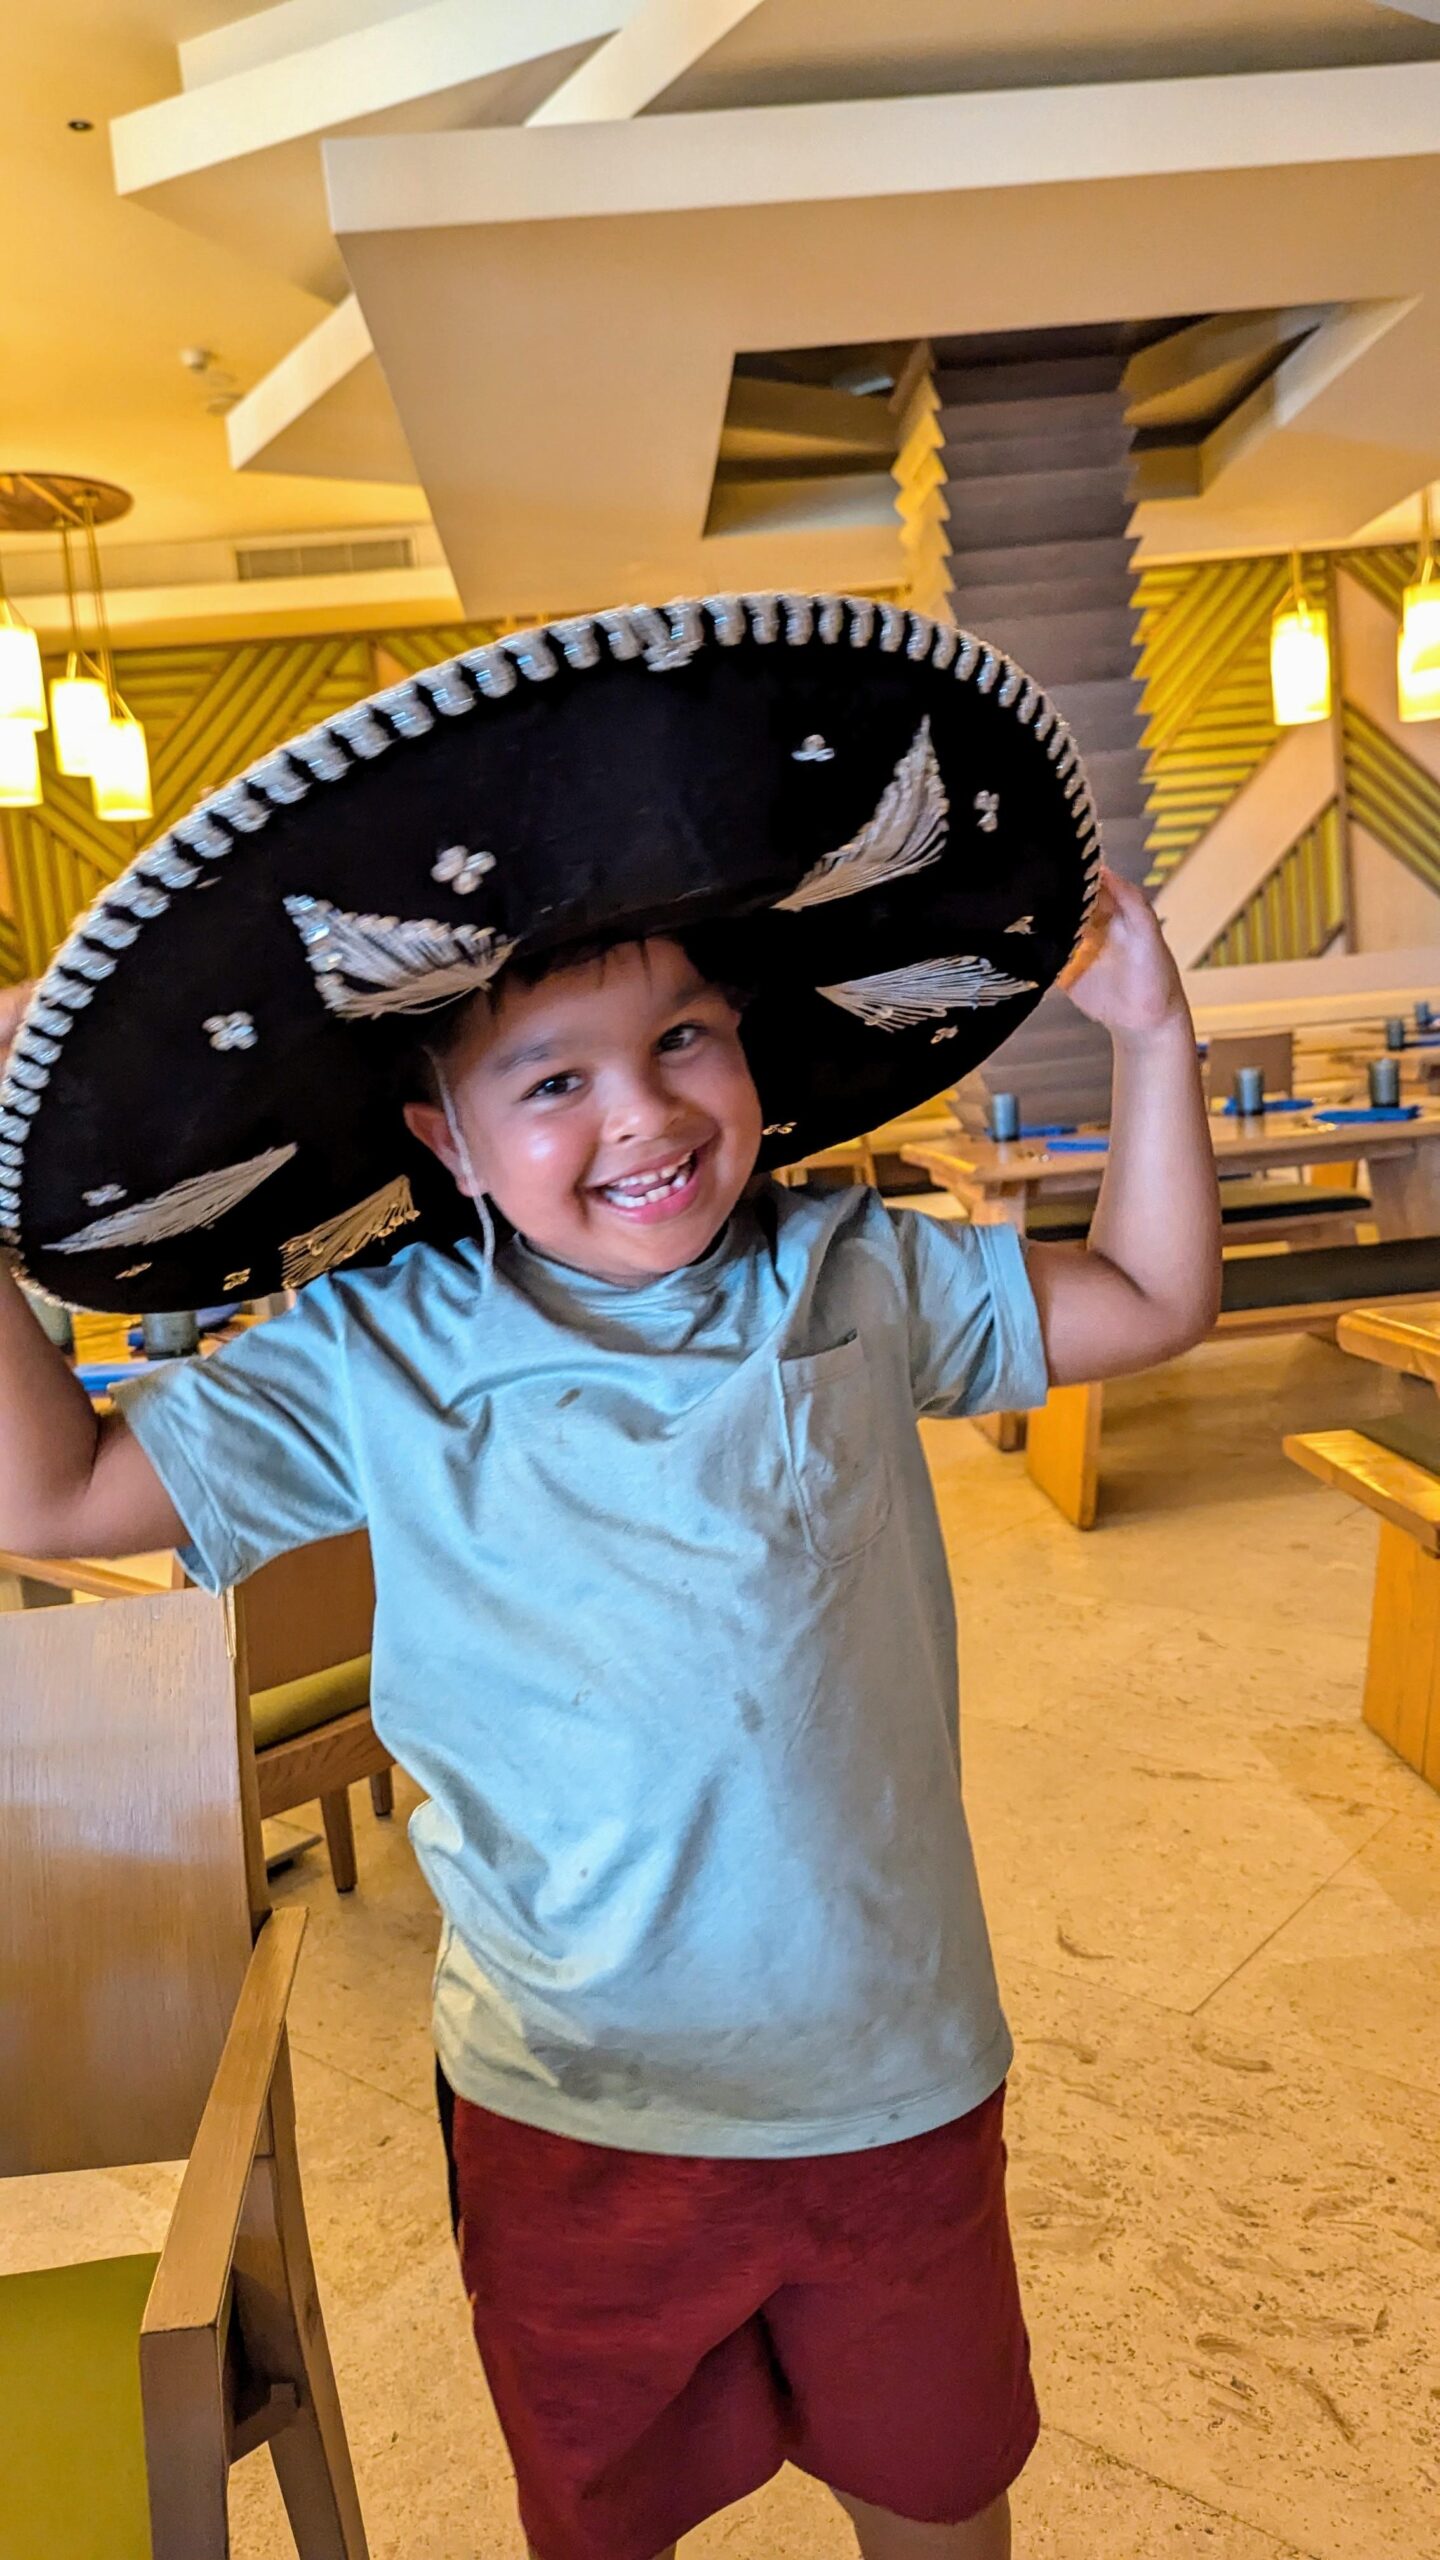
(95,735)
(1299,657)
(22,679)
(120,774)
(1417,654)
(80,699)
(19,766)
(120,771)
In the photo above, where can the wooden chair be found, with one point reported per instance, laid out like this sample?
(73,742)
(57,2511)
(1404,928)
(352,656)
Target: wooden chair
(1264,1293)
(307,1620)
(1392,1466)
(1272,1051)
(144,2020)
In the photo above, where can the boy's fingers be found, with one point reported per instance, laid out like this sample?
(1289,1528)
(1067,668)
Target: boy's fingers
(13,1001)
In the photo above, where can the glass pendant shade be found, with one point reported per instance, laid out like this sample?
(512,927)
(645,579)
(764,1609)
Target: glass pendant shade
(80,715)
(1299,664)
(19,766)
(1417,657)
(22,679)
(120,774)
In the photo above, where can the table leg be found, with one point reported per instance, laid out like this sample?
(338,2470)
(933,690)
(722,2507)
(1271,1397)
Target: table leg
(1406,1191)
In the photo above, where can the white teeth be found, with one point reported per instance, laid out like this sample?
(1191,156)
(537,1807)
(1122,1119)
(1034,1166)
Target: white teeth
(638,1190)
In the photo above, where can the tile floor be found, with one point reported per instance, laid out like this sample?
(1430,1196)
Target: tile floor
(1216,1906)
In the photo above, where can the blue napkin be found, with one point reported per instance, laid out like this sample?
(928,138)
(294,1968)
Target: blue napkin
(1276,1102)
(1077,1146)
(1392,1111)
(97,1377)
(1048,1129)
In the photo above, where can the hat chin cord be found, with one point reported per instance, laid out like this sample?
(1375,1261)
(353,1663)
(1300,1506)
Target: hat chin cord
(457,1140)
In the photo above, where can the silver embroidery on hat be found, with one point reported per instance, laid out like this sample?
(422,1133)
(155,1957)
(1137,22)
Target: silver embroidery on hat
(230,1030)
(987,808)
(1022,924)
(459,869)
(897,999)
(906,834)
(305,1256)
(577,640)
(369,965)
(187,1205)
(812,750)
(728,616)
(232,1279)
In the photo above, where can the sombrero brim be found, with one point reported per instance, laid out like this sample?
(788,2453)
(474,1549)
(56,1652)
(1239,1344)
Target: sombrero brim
(876,823)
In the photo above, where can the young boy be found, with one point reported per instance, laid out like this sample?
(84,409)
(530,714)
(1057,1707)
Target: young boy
(665,1633)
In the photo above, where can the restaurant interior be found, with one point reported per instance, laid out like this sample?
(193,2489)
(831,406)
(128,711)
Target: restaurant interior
(350,336)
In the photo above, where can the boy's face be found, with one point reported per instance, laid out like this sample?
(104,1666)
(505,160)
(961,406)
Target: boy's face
(608,1112)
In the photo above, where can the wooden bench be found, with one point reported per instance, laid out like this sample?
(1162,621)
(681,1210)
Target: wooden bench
(1393,1468)
(1261,1293)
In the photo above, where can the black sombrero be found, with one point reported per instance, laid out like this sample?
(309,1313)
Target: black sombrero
(881,825)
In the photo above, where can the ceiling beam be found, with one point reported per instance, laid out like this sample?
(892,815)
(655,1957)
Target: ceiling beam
(661,42)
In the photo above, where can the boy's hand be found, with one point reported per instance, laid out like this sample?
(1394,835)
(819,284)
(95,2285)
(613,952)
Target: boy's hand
(1123,974)
(13,1001)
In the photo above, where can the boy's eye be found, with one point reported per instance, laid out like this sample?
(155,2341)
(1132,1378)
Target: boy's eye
(681,1035)
(550,1087)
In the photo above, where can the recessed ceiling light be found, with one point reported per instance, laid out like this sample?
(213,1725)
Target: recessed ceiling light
(81,124)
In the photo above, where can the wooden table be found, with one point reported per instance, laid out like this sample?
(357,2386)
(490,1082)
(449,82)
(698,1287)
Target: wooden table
(45,1581)
(998,1180)
(1403,1338)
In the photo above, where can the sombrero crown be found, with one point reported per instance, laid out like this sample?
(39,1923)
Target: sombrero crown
(875,822)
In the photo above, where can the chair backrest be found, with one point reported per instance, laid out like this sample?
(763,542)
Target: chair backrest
(131,1876)
(307,1610)
(1272,1051)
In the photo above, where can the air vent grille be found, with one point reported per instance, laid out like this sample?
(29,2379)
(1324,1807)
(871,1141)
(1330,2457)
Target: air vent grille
(324,559)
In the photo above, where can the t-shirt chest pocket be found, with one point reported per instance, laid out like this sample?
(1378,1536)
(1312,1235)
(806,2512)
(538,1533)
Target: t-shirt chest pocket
(836,1458)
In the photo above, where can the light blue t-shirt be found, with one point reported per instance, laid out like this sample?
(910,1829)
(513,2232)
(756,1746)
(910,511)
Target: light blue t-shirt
(664,1631)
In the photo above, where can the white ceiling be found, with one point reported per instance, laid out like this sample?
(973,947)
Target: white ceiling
(800,49)
(556,311)
(98,296)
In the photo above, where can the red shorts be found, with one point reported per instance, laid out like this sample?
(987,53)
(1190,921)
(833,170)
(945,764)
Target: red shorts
(660,2334)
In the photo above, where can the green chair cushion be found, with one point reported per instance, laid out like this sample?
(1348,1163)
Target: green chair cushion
(299,1706)
(1325,1274)
(72,2442)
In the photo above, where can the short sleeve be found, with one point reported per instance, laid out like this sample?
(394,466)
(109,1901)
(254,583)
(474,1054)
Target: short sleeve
(254,1444)
(975,1339)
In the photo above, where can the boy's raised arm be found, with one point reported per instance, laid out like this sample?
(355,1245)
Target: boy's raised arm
(69,1484)
(1147,1284)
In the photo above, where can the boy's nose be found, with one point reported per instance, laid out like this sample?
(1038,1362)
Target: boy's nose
(643,1107)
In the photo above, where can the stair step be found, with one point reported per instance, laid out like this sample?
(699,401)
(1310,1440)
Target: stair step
(1055,506)
(1104,447)
(1031,379)
(1055,646)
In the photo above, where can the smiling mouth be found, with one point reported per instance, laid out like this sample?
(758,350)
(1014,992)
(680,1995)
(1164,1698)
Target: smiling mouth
(665,1188)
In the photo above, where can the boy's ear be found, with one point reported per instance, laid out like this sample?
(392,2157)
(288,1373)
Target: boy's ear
(427,1122)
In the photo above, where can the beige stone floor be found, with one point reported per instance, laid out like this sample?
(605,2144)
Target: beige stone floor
(1216,1907)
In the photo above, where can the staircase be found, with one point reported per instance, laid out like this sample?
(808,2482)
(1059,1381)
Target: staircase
(1014,490)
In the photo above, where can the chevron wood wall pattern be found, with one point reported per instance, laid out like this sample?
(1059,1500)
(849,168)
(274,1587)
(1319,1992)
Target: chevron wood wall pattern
(208,711)
(1298,910)
(1205,670)
(1391,795)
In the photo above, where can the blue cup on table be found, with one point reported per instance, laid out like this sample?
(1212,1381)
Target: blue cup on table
(1004,1115)
(171,1335)
(1384,1083)
(1249,1091)
(1395,1031)
(1424,1014)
